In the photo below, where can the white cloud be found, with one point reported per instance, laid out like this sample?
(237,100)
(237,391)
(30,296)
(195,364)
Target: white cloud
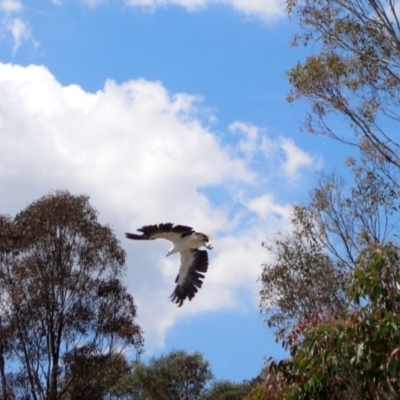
(93,3)
(295,157)
(12,23)
(144,157)
(281,150)
(249,144)
(10,6)
(20,31)
(263,9)
(265,206)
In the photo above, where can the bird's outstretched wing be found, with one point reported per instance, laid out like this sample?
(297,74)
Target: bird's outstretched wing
(162,231)
(193,264)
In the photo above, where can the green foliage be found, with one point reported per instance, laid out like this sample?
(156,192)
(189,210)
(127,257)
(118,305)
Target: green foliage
(302,277)
(98,376)
(272,387)
(177,375)
(354,354)
(337,351)
(355,72)
(60,275)
(312,263)
(226,390)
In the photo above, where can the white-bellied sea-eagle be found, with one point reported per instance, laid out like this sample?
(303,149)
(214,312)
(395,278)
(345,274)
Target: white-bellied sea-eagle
(194,262)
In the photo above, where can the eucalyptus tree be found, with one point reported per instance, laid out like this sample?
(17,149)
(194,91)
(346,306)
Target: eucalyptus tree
(353,71)
(177,375)
(61,296)
(314,258)
(227,390)
(355,354)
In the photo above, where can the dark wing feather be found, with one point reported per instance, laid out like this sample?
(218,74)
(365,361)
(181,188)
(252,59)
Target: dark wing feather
(166,231)
(192,264)
(134,236)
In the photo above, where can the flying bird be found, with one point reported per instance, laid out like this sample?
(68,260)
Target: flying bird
(194,262)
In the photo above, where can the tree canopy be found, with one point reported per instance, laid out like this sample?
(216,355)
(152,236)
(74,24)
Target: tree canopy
(356,353)
(176,375)
(332,291)
(61,296)
(314,259)
(355,72)
(226,390)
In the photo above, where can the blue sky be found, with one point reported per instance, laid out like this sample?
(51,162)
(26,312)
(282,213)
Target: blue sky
(165,111)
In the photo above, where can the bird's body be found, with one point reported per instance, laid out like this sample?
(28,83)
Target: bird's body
(192,241)
(186,242)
